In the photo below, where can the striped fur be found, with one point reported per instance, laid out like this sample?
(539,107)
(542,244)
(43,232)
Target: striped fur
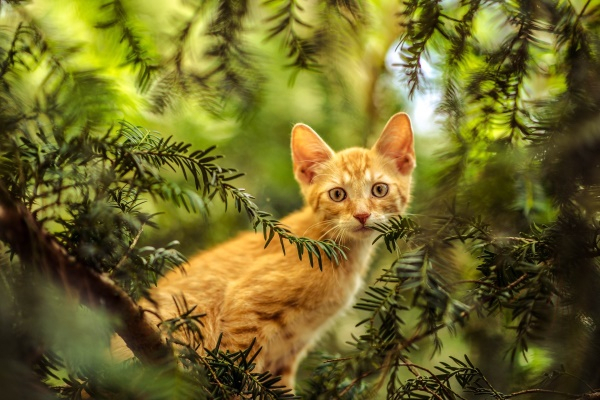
(247,292)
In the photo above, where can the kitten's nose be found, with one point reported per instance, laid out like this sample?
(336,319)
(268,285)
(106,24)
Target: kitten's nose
(362,217)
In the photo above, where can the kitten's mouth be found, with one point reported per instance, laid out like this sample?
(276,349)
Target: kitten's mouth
(363,229)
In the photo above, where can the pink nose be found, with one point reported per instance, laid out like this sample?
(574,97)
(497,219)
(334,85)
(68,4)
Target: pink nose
(362,217)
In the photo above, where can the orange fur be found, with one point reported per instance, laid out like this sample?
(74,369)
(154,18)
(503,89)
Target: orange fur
(247,292)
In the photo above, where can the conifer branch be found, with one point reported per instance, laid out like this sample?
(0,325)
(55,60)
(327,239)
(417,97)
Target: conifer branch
(286,20)
(414,41)
(137,52)
(214,181)
(36,247)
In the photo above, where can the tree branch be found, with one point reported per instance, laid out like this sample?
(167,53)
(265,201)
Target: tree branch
(548,391)
(38,248)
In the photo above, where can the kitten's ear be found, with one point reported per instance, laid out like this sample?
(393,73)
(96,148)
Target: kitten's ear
(308,150)
(396,142)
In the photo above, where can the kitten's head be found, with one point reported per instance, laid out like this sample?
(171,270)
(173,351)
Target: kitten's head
(354,188)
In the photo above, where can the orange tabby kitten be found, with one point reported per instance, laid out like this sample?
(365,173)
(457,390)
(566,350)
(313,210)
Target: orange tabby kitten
(247,292)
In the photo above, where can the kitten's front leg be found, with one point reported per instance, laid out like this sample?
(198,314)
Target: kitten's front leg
(285,367)
(288,380)
(251,312)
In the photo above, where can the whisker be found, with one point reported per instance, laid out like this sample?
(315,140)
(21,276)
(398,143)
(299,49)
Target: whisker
(324,224)
(329,230)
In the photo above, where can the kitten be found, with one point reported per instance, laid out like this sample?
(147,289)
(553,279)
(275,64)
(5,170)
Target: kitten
(247,292)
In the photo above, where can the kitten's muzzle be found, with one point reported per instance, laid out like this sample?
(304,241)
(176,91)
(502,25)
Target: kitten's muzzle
(362,217)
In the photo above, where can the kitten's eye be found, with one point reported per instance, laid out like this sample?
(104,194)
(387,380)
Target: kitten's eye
(337,194)
(379,189)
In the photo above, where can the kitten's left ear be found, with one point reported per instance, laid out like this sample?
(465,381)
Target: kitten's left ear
(308,151)
(396,142)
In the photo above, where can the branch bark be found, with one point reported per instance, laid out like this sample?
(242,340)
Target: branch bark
(39,249)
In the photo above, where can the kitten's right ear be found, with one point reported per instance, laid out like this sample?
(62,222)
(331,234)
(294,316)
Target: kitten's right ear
(396,142)
(308,151)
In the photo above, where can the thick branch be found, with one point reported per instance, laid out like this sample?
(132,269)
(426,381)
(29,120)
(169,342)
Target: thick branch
(38,248)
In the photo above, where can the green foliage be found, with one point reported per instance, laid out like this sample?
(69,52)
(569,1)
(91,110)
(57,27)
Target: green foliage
(524,208)
(115,16)
(86,180)
(302,51)
(232,374)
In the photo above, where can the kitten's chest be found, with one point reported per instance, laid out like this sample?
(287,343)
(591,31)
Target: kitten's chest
(336,288)
(339,294)
(331,295)
(318,308)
